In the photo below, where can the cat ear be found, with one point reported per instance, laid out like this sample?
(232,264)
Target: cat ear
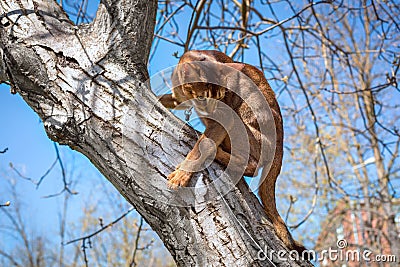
(236,65)
(252,72)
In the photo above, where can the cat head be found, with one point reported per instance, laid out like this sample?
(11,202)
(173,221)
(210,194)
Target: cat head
(197,76)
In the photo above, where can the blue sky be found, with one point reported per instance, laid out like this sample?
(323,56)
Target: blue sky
(31,152)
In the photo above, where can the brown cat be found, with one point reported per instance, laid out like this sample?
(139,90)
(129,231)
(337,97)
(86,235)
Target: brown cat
(205,95)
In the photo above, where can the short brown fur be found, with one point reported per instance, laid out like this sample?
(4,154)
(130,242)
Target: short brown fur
(218,134)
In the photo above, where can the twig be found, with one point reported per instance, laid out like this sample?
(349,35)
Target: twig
(315,197)
(8,203)
(63,174)
(87,243)
(100,230)
(84,247)
(32,180)
(133,262)
(194,22)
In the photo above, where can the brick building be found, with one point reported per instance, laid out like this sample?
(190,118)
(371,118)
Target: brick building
(355,233)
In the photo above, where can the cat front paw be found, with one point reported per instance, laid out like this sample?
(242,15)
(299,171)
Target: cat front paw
(179,178)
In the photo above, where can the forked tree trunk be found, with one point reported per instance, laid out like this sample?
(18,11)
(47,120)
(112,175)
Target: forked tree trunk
(88,85)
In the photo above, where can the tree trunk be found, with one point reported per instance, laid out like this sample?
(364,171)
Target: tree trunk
(89,85)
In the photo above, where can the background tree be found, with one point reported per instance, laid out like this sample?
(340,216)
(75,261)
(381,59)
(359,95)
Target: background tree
(128,242)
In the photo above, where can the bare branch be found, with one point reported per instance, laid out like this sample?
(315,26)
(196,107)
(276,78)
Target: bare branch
(86,238)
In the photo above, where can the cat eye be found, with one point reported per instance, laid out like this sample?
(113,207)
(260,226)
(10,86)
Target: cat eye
(201,98)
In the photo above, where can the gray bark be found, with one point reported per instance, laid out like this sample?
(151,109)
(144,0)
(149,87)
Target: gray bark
(89,85)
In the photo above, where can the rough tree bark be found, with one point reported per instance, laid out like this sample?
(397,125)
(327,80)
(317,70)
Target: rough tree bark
(88,85)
